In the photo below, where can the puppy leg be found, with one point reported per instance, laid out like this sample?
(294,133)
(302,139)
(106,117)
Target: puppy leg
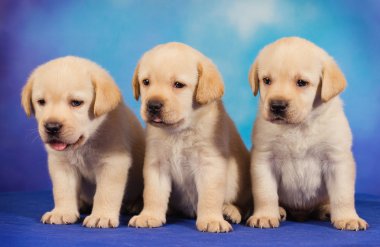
(211,183)
(157,187)
(111,178)
(65,186)
(340,186)
(264,187)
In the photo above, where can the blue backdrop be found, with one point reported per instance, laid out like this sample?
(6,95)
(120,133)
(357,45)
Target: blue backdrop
(115,34)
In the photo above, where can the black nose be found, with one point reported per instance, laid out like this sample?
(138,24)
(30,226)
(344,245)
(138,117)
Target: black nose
(154,106)
(278,106)
(53,128)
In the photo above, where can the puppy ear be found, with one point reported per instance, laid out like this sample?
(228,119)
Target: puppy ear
(26,97)
(210,83)
(333,80)
(107,93)
(135,83)
(253,78)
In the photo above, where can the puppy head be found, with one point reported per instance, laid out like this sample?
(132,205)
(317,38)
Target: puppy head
(294,76)
(69,97)
(173,79)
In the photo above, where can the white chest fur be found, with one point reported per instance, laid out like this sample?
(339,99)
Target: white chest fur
(299,161)
(180,156)
(85,160)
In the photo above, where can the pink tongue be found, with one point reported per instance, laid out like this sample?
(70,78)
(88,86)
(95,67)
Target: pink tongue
(58,146)
(157,120)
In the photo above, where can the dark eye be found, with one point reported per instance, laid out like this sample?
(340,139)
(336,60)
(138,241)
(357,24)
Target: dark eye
(41,102)
(267,81)
(302,83)
(76,103)
(178,84)
(146,82)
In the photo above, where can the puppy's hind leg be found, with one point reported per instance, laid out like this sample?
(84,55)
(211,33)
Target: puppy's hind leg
(231,213)
(282,213)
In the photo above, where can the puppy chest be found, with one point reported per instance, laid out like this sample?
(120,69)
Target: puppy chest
(183,160)
(300,178)
(85,164)
(181,155)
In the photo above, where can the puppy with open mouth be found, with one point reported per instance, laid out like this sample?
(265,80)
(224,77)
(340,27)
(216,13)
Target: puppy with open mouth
(95,144)
(301,158)
(194,154)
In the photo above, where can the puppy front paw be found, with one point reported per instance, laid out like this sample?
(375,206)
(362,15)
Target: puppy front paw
(355,224)
(263,221)
(232,213)
(213,225)
(60,217)
(101,221)
(146,221)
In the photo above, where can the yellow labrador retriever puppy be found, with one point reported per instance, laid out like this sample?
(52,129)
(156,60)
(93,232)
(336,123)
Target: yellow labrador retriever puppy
(302,157)
(94,142)
(194,153)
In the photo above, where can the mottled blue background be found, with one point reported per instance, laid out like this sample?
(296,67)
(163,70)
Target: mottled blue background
(116,33)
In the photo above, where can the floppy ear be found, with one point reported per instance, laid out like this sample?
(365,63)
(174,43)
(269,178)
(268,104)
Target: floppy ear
(333,80)
(135,83)
(26,97)
(210,83)
(253,78)
(107,94)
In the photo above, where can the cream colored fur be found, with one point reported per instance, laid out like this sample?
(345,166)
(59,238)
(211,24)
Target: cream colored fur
(195,156)
(303,163)
(106,141)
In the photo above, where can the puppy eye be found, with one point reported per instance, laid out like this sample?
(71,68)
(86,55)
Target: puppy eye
(41,102)
(76,103)
(146,82)
(267,81)
(178,84)
(302,83)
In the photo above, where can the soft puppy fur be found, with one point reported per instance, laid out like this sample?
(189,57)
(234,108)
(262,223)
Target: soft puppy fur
(301,157)
(94,142)
(194,153)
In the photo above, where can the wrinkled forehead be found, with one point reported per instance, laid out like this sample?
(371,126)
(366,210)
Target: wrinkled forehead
(289,60)
(61,80)
(168,63)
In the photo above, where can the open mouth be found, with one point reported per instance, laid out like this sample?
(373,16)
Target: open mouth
(58,145)
(157,120)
